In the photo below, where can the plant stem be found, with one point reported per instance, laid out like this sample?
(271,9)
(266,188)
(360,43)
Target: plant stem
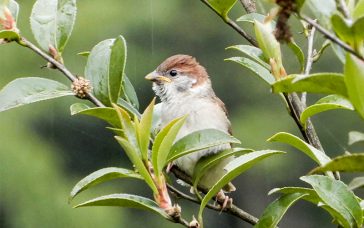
(249,5)
(60,67)
(331,37)
(343,8)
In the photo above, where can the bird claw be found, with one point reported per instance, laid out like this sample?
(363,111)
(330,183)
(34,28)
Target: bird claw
(224,200)
(169,167)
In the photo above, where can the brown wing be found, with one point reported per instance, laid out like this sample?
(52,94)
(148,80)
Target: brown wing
(222,105)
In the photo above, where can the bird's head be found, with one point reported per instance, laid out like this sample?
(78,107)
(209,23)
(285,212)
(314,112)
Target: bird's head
(179,76)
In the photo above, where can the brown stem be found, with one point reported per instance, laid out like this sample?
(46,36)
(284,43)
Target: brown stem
(249,5)
(60,67)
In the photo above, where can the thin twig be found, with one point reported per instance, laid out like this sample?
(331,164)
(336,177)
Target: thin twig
(330,36)
(343,8)
(60,67)
(249,5)
(235,26)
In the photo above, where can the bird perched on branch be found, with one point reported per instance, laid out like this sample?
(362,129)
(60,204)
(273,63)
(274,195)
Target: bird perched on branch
(184,87)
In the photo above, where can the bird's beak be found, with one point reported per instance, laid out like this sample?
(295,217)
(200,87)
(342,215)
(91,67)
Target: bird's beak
(154,77)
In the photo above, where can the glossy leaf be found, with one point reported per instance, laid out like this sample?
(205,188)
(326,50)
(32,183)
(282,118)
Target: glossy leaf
(357,182)
(354,80)
(234,169)
(128,127)
(126,200)
(24,91)
(130,93)
(355,137)
(163,143)
(222,7)
(107,114)
(144,130)
(252,52)
(348,31)
(52,22)
(308,194)
(101,176)
(274,212)
(9,35)
(199,140)
(205,163)
(128,107)
(254,67)
(336,195)
(298,53)
(345,163)
(328,83)
(105,68)
(320,157)
(330,102)
(137,162)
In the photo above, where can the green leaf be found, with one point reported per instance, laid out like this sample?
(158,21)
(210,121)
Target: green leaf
(52,22)
(128,127)
(130,93)
(234,169)
(336,195)
(354,80)
(359,9)
(222,7)
(101,176)
(324,104)
(275,211)
(144,130)
(357,182)
(345,163)
(207,162)
(128,107)
(251,17)
(126,200)
(254,67)
(199,140)
(84,53)
(107,114)
(105,69)
(163,143)
(348,31)
(298,53)
(9,35)
(308,194)
(355,137)
(320,157)
(24,91)
(322,14)
(252,52)
(137,162)
(328,83)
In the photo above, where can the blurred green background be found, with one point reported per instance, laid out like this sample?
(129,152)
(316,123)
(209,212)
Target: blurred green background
(44,151)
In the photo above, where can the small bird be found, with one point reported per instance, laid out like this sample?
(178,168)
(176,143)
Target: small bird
(184,87)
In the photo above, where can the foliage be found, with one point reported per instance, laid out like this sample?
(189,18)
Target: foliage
(117,103)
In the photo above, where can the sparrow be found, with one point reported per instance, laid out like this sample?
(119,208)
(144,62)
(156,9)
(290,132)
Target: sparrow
(184,88)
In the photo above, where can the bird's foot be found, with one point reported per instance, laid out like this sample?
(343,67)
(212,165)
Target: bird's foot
(224,200)
(169,167)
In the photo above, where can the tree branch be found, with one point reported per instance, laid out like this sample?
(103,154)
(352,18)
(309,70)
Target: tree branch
(331,37)
(249,5)
(342,7)
(60,67)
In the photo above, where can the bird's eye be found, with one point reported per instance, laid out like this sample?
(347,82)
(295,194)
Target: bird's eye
(173,73)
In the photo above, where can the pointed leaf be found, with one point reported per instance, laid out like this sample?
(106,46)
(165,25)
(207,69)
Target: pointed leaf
(207,162)
(144,130)
(126,200)
(320,157)
(84,53)
(298,53)
(24,91)
(309,194)
(345,163)
(330,83)
(355,137)
(163,143)
(234,169)
(128,107)
(105,69)
(354,80)
(254,67)
(275,211)
(101,176)
(222,7)
(52,22)
(137,162)
(251,17)
(252,52)
(128,127)
(130,93)
(357,182)
(336,194)
(330,102)
(199,140)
